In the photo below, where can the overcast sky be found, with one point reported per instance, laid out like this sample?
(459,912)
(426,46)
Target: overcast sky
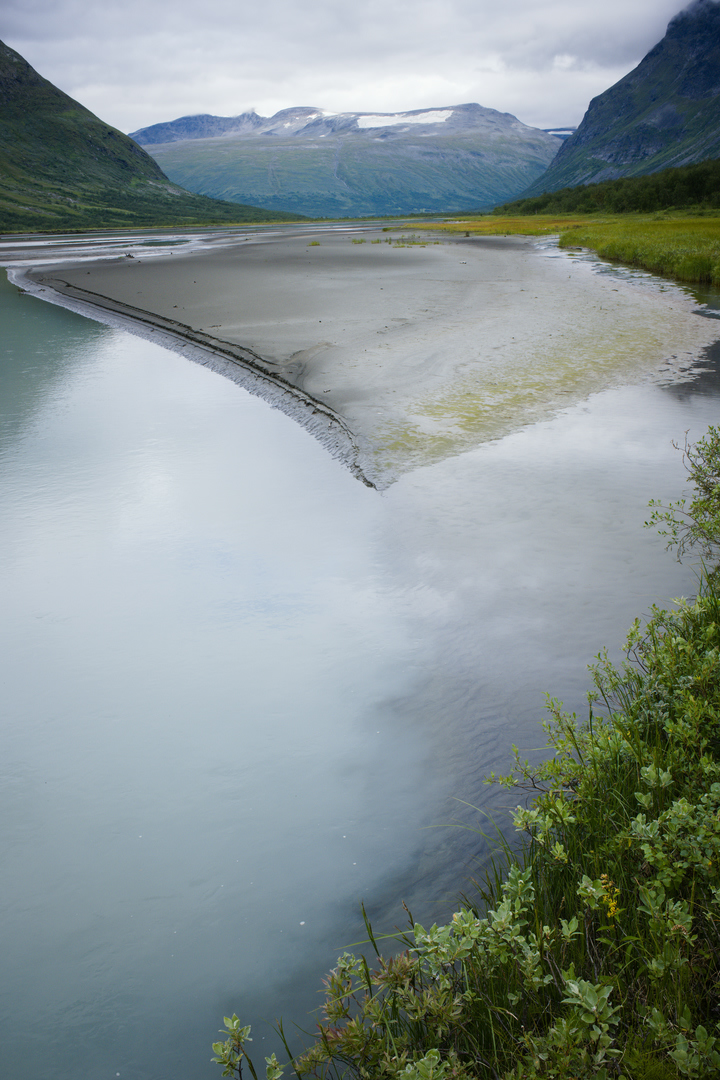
(143,61)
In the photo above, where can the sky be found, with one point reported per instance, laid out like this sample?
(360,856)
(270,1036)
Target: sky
(140,62)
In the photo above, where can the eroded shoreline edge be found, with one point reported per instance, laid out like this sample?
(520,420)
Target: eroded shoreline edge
(241,365)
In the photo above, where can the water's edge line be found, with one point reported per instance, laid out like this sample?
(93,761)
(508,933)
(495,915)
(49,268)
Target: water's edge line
(234,362)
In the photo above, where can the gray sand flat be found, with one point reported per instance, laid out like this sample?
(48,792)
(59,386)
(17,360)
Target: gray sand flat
(424,351)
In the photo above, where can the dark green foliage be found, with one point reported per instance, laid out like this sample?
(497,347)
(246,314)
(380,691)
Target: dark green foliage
(62,168)
(695,526)
(690,187)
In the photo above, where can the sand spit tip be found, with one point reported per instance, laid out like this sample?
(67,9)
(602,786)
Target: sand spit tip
(238,364)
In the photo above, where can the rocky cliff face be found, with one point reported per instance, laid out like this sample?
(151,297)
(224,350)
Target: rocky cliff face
(664,113)
(349,164)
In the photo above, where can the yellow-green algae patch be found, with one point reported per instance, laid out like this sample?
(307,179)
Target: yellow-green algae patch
(524,386)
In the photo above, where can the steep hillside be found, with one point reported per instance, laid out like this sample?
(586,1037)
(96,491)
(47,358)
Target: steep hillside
(63,168)
(346,164)
(664,113)
(688,187)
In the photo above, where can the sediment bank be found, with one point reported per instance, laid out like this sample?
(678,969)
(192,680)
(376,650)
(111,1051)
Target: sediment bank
(394,351)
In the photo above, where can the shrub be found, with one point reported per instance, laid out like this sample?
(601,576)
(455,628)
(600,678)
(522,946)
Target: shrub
(695,526)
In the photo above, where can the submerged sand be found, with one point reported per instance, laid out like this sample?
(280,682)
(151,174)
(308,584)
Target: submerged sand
(400,354)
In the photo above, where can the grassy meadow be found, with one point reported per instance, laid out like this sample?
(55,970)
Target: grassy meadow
(687,249)
(681,246)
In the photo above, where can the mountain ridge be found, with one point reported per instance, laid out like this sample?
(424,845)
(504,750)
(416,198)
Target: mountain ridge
(665,113)
(436,159)
(61,167)
(307,121)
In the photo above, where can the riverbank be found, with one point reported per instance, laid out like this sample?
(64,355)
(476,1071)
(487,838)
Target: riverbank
(678,245)
(686,249)
(397,351)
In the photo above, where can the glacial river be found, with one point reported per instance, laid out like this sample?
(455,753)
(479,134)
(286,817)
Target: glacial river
(243,692)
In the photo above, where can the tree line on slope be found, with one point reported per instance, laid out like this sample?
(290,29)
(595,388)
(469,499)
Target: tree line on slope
(690,186)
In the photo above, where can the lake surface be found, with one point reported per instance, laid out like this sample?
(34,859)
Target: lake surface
(242,691)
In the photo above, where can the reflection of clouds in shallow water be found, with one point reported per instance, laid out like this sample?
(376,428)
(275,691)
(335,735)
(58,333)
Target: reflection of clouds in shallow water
(262,681)
(203,764)
(562,337)
(518,562)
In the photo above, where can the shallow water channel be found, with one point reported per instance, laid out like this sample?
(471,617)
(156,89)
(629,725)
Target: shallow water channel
(242,691)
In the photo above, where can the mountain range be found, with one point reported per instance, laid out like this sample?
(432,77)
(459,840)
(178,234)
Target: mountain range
(444,159)
(664,113)
(63,168)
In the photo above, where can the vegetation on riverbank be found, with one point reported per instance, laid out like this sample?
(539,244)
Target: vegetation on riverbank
(675,245)
(596,952)
(689,188)
(686,249)
(667,222)
(493,225)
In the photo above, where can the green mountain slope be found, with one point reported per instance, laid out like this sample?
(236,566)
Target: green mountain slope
(63,168)
(352,164)
(688,187)
(664,113)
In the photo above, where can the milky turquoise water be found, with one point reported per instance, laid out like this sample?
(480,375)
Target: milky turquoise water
(241,690)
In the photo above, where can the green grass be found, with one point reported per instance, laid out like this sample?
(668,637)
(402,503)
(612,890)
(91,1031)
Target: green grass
(681,246)
(594,951)
(684,248)
(510,225)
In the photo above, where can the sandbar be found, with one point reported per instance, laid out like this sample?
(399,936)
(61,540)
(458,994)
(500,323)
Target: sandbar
(402,352)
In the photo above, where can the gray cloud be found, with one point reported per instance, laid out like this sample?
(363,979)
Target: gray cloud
(150,60)
(698,5)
